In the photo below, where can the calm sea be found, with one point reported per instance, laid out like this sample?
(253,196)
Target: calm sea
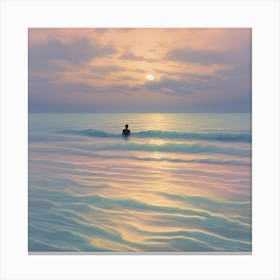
(179,183)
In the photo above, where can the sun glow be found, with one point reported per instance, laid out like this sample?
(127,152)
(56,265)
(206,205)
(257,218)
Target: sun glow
(150,77)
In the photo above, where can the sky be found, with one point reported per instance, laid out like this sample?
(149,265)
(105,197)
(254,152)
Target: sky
(139,70)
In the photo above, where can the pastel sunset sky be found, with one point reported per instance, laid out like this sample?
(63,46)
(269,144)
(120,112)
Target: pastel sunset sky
(123,70)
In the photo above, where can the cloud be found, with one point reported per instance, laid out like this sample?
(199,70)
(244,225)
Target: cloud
(105,69)
(101,30)
(131,56)
(42,55)
(209,57)
(188,84)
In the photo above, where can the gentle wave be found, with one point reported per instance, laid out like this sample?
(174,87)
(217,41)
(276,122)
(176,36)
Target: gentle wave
(80,152)
(211,136)
(171,148)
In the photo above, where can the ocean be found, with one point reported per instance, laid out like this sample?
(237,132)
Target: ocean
(179,183)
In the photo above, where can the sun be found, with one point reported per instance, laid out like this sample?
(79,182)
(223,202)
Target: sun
(150,77)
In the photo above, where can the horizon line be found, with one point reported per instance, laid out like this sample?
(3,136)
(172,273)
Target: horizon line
(139,112)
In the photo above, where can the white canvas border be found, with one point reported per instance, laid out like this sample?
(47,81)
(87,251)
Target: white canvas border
(17,16)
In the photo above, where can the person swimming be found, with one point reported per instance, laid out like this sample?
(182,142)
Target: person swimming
(126,131)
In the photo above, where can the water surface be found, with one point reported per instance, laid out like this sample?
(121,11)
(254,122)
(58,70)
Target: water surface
(179,183)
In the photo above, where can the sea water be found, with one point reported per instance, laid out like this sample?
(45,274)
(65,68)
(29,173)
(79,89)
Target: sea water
(179,183)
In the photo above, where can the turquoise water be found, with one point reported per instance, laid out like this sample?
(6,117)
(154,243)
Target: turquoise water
(179,183)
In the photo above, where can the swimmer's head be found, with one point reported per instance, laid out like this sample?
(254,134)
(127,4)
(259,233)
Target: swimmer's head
(126,126)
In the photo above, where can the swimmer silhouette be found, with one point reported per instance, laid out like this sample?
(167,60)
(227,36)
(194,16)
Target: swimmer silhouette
(126,131)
